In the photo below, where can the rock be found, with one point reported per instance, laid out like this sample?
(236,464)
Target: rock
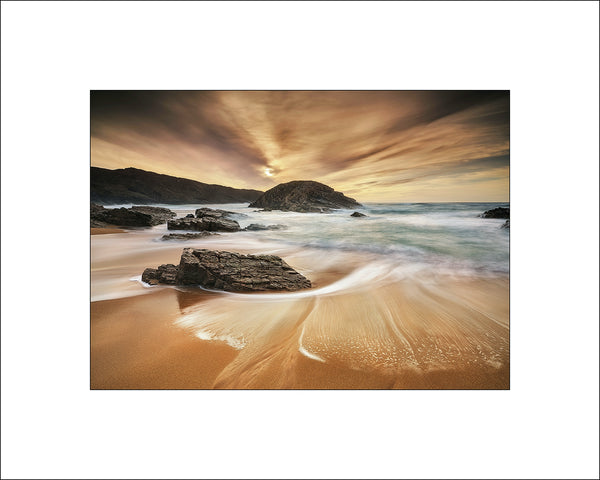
(358,214)
(208,224)
(138,216)
(166,274)
(187,236)
(259,226)
(499,212)
(211,212)
(229,271)
(190,215)
(303,196)
(506,224)
(120,217)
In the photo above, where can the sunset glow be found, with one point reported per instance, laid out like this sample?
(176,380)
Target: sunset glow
(421,146)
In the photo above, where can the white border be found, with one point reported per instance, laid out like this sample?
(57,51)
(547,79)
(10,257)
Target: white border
(546,426)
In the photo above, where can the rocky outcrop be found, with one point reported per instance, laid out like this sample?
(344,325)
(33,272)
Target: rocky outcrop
(128,217)
(132,185)
(254,227)
(358,214)
(204,224)
(213,212)
(159,214)
(229,271)
(166,274)
(506,224)
(303,196)
(187,236)
(499,212)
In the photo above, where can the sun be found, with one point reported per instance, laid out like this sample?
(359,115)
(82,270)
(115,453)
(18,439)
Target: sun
(268,171)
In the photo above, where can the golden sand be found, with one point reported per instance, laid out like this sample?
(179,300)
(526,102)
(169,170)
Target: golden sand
(443,340)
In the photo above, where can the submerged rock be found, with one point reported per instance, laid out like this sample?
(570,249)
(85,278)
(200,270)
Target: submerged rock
(358,214)
(499,212)
(303,196)
(506,224)
(259,226)
(189,215)
(229,271)
(208,224)
(187,236)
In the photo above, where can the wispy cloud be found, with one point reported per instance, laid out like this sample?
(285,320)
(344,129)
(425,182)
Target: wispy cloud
(372,144)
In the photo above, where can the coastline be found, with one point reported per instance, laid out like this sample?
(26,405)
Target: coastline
(140,342)
(371,320)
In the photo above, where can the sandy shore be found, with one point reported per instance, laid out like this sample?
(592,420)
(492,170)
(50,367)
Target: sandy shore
(105,230)
(140,343)
(366,323)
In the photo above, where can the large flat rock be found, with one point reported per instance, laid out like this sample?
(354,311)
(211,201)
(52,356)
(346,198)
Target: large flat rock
(204,224)
(229,271)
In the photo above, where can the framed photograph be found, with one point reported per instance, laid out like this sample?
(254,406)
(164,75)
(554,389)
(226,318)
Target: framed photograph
(300,239)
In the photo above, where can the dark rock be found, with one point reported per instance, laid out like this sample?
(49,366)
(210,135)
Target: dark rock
(208,224)
(230,271)
(506,224)
(358,214)
(137,216)
(120,217)
(211,212)
(187,236)
(159,214)
(499,212)
(190,215)
(132,185)
(303,196)
(166,274)
(259,226)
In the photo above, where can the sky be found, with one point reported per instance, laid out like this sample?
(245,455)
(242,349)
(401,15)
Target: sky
(374,146)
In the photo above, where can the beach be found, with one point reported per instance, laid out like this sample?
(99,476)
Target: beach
(380,314)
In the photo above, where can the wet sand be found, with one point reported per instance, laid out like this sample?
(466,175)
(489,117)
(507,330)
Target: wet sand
(140,343)
(367,323)
(105,230)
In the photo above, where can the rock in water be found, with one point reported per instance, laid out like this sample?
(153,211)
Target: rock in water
(208,224)
(229,271)
(212,212)
(121,217)
(187,236)
(159,214)
(138,216)
(499,212)
(358,214)
(303,196)
(163,274)
(506,224)
(253,227)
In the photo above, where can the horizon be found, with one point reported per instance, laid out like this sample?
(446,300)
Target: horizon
(374,146)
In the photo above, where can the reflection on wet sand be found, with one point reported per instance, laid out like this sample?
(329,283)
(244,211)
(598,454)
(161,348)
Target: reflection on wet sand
(401,330)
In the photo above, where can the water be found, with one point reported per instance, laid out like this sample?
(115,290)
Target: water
(409,287)
(448,236)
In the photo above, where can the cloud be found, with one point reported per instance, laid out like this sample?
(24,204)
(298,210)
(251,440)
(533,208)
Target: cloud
(364,142)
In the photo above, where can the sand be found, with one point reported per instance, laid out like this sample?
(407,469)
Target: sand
(105,230)
(140,343)
(364,325)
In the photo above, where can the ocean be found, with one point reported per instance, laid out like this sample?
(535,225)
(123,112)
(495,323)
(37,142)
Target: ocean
(410,287)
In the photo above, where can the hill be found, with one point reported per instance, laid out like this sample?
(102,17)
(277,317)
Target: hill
(132,185)
(303,196)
